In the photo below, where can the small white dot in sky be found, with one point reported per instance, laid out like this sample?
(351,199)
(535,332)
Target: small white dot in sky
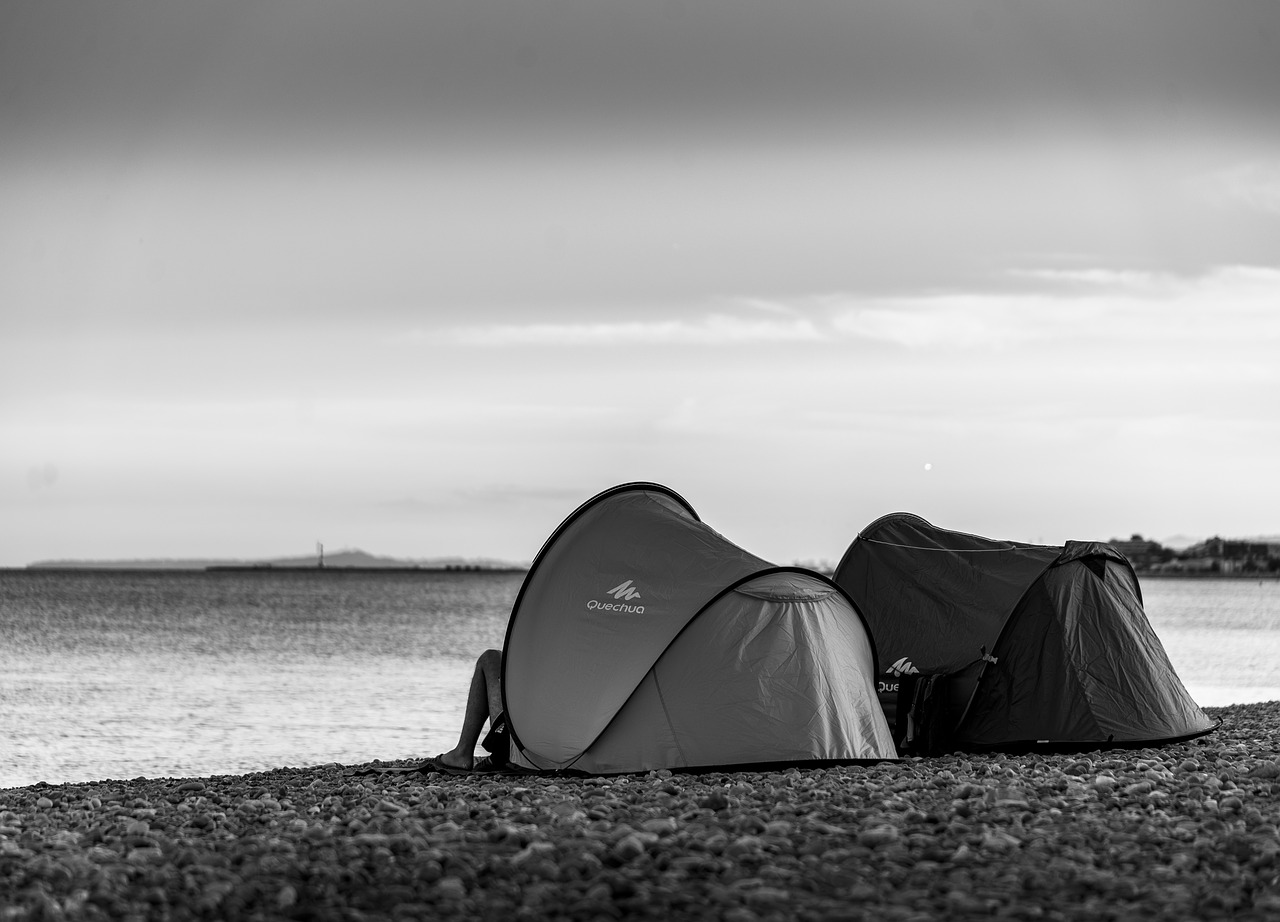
(928,466)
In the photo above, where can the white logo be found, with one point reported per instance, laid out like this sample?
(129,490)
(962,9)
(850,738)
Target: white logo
(902,667)
(625,590)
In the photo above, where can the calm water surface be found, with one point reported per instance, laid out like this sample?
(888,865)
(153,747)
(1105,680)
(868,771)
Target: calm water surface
(1222,635)
(120,674)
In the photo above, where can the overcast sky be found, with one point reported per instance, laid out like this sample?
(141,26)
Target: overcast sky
(419,278)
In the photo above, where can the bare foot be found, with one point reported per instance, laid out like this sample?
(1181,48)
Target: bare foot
(457,759)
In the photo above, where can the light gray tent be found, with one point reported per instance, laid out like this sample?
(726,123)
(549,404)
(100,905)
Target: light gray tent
(641,639)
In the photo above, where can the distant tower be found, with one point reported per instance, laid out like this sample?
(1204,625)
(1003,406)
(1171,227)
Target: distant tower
(319,555)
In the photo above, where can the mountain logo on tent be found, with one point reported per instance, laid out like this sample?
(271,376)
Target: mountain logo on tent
(625,590)
(903,667)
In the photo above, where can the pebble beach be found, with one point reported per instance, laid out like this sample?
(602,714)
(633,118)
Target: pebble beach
(1182,831)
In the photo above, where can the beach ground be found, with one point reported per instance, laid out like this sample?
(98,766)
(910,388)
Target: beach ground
(1182,831)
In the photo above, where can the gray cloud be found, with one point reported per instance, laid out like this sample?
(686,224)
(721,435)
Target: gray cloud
(561,71)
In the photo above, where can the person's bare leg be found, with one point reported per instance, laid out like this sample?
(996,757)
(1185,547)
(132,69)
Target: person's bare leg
(484,700)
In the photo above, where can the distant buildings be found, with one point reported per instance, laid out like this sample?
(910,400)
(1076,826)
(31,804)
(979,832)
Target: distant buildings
(1227,556)
(1216,555)
(1143,554)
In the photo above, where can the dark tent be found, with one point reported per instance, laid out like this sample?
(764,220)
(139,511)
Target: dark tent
(987,644)
(642,639)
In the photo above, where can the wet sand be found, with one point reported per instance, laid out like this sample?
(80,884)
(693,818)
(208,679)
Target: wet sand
(1182,831)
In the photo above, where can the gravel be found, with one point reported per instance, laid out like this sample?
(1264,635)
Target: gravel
(1181,831)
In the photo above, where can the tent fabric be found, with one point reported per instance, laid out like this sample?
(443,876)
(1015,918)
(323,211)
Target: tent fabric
(642,639)
(1044,646)
(1099,672)
(939,596)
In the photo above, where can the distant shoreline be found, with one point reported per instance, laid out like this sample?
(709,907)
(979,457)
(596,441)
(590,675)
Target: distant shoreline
(512,568)
(265,568)
(1149,574)
(347,560)
(268,568)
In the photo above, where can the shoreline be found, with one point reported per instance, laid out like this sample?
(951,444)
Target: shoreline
(1260,577)
(1185,830)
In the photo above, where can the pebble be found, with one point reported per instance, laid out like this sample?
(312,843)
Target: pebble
(1190,830)
(877,835)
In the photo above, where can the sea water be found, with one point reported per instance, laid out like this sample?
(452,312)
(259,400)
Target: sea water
(120,674)
(1221,634)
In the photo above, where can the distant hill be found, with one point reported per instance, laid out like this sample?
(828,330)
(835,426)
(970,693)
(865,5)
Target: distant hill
(364,560)
(337,560)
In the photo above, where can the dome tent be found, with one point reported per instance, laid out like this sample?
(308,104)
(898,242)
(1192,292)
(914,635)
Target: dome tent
(989,644)
(642,639)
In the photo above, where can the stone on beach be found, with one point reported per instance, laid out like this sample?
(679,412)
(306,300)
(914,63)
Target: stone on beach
(1190,830)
